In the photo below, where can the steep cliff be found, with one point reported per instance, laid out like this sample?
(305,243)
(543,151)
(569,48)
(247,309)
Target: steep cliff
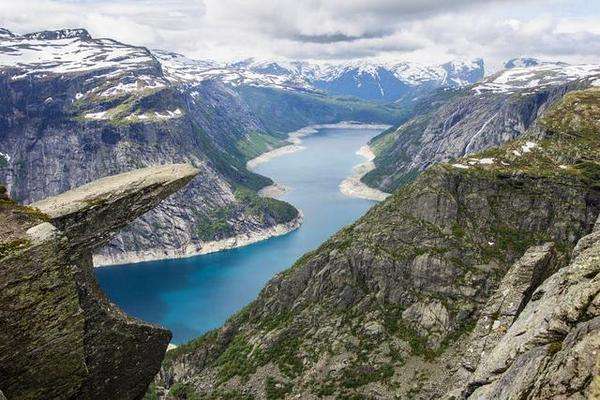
(74,109)
(452,123)
(61,338)
(402,303)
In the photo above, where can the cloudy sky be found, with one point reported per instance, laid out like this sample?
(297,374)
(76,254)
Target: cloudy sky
(417,30)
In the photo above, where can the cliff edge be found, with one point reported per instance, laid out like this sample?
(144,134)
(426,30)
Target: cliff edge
(61,338)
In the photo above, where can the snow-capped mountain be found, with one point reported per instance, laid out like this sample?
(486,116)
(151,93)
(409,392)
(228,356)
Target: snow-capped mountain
(369,80)
(75,51)
(180,69)
(523,62)
(111,68)
(529,75)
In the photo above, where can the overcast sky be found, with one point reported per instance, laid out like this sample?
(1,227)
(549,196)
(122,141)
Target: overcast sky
(417,30)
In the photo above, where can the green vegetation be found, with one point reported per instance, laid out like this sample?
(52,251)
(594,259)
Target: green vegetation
(230,166)
(279,211)
(361,375)
(256,143)
(8,248)
(275,389)
(209,338)
(384,140)
(235,360)
(286,111)
(284,352)
(396,326)
(221,394)
(216,224)
(183,391)
(151,393)
(125,109)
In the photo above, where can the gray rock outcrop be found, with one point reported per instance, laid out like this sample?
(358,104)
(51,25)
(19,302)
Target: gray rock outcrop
(552,349)
(61,338)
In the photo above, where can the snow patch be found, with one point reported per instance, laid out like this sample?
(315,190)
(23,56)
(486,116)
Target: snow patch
(461,166)
(528,146)
(486,161)
(97,115)
(536,77)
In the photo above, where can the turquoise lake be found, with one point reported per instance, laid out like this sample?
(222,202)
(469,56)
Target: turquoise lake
(193,295)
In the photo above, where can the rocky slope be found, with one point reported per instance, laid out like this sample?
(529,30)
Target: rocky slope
(474,257)
(74,109)
(61,338)
(452,123)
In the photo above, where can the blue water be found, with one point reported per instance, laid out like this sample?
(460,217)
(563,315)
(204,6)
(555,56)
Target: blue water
(193,295)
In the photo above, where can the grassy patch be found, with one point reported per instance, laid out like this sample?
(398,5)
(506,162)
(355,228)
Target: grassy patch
(13,246)
(279,211)
(275,389)
(235,360)
(183,391)
(360,375)
(254,144)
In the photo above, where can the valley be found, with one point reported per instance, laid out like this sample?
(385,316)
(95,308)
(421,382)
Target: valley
(176,228)
(193,295)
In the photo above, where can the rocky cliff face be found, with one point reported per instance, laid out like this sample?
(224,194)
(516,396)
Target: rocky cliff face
(462,284)
(61,338)
(75,109)
(453,123)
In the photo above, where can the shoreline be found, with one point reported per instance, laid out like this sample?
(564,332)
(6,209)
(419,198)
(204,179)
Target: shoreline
(244,239)
(191,250)
(274,191)
(354,187)
(295,139)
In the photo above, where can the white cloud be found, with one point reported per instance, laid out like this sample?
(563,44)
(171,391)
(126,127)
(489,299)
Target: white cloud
(424,30)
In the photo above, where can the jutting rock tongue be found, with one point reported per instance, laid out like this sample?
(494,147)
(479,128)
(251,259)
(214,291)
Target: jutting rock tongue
(61,338)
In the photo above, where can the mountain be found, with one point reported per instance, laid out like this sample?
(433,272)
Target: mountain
(476,281)
(75,108)
(521,62)
(368,80)
(451,123)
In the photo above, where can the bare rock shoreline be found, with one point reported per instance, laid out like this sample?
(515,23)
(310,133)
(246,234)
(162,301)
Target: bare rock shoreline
(275,190)
(354,187)
(196,249)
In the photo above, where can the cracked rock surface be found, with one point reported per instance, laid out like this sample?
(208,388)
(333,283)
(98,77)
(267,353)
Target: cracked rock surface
(61,338)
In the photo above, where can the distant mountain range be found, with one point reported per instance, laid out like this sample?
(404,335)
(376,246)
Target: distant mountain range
(85,108)
(42,53)
(369,80)
(375,81)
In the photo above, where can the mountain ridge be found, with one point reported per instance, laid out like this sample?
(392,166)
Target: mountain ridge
(451,123)
(408,291)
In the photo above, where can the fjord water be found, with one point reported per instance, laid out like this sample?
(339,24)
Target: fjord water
(193,295)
